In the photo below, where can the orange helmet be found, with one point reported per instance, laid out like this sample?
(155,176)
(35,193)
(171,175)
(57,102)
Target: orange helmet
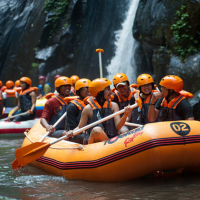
(1,84)
(62,80)
(26,80)
(172,82)
(118,78)
(74,79)
(9,84)
(98,85)
(17,83)
(84,82)
(144,79)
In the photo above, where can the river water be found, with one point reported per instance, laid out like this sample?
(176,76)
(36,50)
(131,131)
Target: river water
(33,183)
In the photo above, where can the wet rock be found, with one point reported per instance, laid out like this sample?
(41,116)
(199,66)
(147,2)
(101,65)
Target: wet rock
(152,28)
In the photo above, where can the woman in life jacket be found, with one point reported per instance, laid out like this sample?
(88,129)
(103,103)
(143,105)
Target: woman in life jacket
(74,79)
(100,106)
(76,106)
(172,103)
(55,107)
(145,84)
(26,102)
(10,97)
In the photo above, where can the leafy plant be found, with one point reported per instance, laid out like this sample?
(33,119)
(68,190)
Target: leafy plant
(35,65)
(185,43)
(57,9)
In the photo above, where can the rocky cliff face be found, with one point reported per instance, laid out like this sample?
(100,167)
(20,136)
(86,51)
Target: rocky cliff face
(21,24)
(159,42)
(29,47)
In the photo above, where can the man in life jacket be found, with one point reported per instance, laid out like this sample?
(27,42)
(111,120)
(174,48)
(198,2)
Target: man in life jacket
(145,84)
(73,79)
(76,106)
(55,107)
(172,105)
(18,86)
(100,106)
(26,101)
(46,87)
(123,94)
(10,97)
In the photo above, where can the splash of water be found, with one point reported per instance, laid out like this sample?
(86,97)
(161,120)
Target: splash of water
(125,45)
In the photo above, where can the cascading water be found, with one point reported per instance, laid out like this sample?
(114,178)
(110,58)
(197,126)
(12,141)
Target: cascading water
(123,61)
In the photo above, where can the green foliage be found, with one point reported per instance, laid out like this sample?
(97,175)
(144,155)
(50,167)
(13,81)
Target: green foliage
(185,43)
(57,8)
(35,65)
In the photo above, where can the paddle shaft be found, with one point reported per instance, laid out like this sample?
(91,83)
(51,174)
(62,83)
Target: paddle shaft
(133,124)
(11,117)
(95,123)
(100,65)
(59,120)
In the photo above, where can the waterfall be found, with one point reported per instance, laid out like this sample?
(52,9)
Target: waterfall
(125,45)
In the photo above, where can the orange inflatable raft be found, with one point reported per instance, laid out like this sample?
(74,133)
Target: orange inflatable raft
(140,152)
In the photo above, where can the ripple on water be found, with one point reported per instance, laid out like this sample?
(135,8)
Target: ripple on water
(36,181)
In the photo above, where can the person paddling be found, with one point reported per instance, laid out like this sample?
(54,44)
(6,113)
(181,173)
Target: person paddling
(10,97)
(55,107)
(145,84)
(171,105)
(73,79)
(26,102)
(76,106)
(100,106)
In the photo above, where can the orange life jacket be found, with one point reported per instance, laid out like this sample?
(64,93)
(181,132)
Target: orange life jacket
(167,111)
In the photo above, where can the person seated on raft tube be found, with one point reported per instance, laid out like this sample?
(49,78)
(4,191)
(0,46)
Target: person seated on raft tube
(123,94)
(46,87)
(100,106)
(145,84)
(171,105)
(10,97)
(26,101)
(55,107)
(74,79)
(76,106)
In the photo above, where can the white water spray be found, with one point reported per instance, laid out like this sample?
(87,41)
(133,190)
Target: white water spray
(123,61)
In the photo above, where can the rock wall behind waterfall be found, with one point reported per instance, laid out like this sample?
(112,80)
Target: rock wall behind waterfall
(85,26)
(152,28)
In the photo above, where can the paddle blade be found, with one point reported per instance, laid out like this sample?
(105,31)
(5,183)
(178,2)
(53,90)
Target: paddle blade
(31,152)
(16,165)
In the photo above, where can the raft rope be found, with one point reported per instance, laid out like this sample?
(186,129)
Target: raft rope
(80,147)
